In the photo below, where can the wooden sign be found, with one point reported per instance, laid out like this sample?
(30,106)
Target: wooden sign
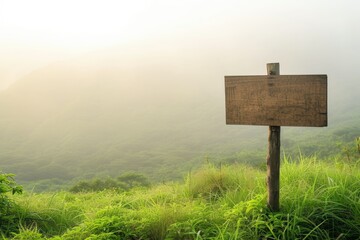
(276,100)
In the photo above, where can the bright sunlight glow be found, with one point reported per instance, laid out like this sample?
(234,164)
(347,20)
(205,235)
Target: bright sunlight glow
(71,23)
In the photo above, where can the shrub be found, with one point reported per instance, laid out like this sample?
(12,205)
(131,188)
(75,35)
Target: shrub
(7,206)
(124,182)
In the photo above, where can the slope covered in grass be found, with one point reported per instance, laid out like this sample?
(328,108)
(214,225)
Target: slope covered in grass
(319,200)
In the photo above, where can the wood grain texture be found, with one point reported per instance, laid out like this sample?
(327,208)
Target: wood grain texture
(276,100)
(273,158)
(273,169)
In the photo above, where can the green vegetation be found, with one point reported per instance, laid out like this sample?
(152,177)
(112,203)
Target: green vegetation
(7,206)
(319,200)
(124,182)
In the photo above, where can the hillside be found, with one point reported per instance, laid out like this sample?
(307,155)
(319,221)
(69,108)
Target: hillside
(104,115)
(67,120)
(319,200)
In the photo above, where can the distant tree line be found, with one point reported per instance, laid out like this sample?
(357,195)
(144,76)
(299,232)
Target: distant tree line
(123,182)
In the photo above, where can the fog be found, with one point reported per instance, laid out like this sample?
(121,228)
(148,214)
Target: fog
(108,85)
(238,36)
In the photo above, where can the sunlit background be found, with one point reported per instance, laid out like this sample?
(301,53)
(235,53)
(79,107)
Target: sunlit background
(319,34)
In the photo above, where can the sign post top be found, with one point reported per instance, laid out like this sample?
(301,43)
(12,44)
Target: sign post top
(273,68)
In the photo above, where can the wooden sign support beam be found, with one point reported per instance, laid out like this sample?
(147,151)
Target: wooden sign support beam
(273,158)
(276,100)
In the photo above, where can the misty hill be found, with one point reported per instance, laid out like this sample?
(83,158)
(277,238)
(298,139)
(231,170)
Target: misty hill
(66,120)
(109,115)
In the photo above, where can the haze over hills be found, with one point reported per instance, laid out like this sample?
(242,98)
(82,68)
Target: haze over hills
(111,113)
(93,117)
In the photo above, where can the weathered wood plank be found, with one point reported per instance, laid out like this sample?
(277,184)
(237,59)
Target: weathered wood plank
(276,100)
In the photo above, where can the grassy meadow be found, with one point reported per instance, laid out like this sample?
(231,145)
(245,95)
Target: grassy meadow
(320,199)
(113,120)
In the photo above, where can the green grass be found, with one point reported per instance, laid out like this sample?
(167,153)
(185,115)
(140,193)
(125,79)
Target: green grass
(319,200)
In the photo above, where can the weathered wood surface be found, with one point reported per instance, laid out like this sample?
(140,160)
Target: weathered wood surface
(273,169)
(273,158)
(276,100)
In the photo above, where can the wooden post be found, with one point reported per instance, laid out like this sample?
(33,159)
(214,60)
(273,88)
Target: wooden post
(273,158)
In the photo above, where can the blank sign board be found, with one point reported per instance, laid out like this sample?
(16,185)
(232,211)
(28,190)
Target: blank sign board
(276,100)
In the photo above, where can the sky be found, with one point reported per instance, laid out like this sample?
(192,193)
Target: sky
(308,36)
